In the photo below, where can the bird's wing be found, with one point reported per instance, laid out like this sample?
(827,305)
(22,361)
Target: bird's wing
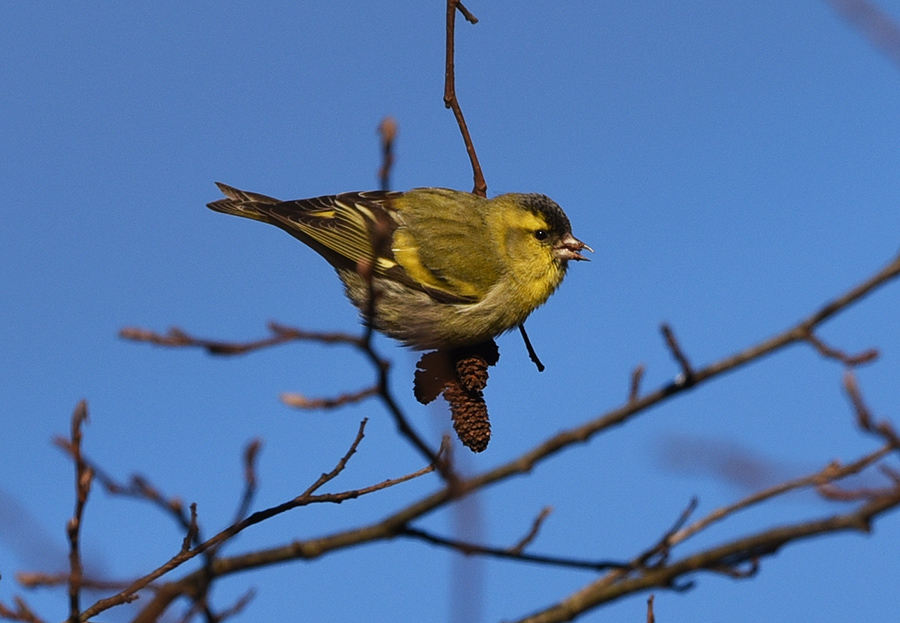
(346,229)
(355,226)
(342,227)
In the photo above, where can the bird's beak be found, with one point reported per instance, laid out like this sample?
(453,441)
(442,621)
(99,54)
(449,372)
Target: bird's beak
(569,247)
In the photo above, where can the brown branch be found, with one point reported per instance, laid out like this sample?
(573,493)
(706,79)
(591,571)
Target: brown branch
(526,540)
(465,13)
(469,549)
(632,408)
(283,334)
(138,487)
(833,353)
(833,471)
(21,612)
(299,401)
(387,129)
(651,618)
(218,567)
(193,530)
(450,99)
(727,556)
(881,429)
(637,375)
(83,478)
(251,452)
(687,373)
(532,354)
(39,580)
(515,552)
(175,337)
(396,523)
(659,553)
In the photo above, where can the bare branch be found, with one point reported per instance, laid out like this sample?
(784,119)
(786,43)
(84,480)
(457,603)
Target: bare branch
(830,473)
(506,553)
(83,477)
(175,337)
(465,13)
(222,566)
(687,373)
(251,452)
(450,99)
(283,334)
(341,464)
(526,540)
(659,552)
(730,555)
(864,419)
(637,376)
(299,401)
(532,354)
(21,612)
(193,530)
(138,487)
(388,131)
(833,353)
(721,559)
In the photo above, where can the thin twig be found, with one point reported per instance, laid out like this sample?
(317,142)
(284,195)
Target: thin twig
(38,580)
(526,540)
(251,452)
(881,429)
(299,401)
(238,606)
(729,555)
(22,612)
(175,337)
(83,477)
(193,530)
(831,472)
(833,353)
(387,129)
(505,552)
(659,553)
(687,372)
(532,354)
(138,487)
(306,498)
(450,99)
(634,390)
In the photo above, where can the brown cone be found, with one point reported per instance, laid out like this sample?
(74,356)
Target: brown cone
(470,416)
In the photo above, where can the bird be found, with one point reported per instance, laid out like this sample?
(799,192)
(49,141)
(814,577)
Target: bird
(433,268)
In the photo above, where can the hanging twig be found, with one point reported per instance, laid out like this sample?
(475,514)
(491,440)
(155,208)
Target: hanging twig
(450,99)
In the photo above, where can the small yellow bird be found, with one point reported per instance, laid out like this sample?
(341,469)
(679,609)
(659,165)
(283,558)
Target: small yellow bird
(447,268)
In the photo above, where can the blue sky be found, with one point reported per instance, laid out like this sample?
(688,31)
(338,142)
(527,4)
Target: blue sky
(734,165)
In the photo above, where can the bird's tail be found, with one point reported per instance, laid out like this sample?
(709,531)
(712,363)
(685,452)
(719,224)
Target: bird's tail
(242,203)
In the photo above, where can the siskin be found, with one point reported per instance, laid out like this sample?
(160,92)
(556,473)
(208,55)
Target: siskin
(447,268)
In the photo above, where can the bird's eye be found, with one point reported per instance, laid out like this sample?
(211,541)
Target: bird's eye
(540,234)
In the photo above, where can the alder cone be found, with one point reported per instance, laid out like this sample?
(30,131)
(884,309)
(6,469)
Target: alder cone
(472,372)
(470,416)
